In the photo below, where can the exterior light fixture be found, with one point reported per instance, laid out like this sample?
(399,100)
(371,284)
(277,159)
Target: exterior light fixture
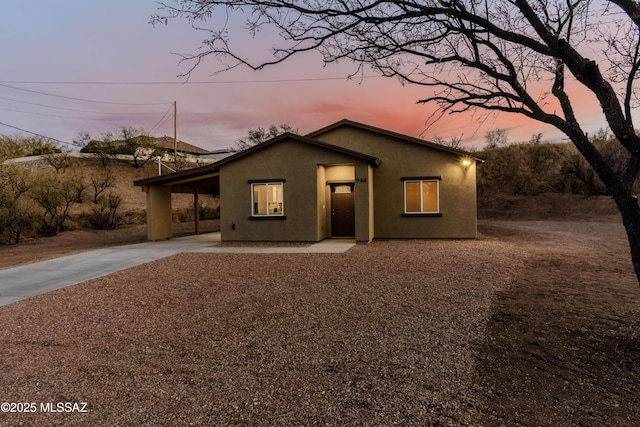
(465,162)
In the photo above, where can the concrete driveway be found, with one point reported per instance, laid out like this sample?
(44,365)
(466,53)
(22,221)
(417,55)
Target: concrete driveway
(34,279)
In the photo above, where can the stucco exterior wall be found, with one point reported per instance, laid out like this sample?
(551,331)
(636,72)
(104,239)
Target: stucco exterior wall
(400,159)
(305,169)
(159,220)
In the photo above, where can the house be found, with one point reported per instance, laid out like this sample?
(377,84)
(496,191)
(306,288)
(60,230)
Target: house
(344,180)
(169,146)
(149,146)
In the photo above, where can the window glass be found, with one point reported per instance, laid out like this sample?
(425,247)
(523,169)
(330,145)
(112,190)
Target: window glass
(275,199)
(429,196)
(267,198)
(259,199)
(413,196)
(421,196)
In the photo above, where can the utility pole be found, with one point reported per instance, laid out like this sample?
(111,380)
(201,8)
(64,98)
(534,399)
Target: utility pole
(175,129)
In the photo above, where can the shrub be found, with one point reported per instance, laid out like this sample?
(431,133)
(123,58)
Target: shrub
(56,196)
(105,216)
(100,184)
(20,146)
(581,176)
(523,169)
(205,212)
(16,215)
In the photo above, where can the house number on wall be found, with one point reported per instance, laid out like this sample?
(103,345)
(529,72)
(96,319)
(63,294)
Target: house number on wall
(361,179)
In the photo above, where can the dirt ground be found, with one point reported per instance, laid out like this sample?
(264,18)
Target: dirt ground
(563,342)
(536,323)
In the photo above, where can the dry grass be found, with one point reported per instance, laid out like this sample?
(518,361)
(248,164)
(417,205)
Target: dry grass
(393,333)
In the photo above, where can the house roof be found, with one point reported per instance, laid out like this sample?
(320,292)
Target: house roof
(166,142)
(208,175)
(351,123)
(213,170)
(306,140)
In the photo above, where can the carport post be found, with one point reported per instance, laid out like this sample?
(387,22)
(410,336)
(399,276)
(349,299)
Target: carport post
(159,212)
(196,211)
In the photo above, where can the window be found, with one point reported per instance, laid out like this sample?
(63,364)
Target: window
(421,196)
(267,199)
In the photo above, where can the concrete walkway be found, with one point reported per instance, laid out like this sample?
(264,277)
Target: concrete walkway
(34,279)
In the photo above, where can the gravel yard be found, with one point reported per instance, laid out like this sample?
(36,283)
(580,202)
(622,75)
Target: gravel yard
(534,323)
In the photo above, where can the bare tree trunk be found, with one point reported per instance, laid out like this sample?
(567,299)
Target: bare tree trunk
(619,188)
(631,219)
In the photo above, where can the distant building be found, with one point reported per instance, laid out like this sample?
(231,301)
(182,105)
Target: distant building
(163,147)
(166,143)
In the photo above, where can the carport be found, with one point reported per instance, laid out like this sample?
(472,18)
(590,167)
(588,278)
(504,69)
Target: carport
(197,181)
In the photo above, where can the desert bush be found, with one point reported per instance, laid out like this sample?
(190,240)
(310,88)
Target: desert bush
(134,217)
(104,215)
(16,222)
(59,161)
(182,215)
(523,169)
(16,215)
(580,175)
(55,196)
(534,168)
(208,212)
(12,147)
(205,212)
(101,182)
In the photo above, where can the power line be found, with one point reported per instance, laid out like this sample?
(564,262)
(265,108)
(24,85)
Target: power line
(70,109)
(37,134)
(70,117)
(208,82)
(79,99)
(161,120)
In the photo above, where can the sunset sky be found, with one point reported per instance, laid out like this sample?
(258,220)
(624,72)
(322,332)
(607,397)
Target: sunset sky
(61,62)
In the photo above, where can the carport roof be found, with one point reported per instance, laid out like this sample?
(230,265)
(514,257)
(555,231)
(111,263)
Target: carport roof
(206,179)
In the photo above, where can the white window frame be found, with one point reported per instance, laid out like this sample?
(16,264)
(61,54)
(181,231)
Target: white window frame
(266,184)
(420,181)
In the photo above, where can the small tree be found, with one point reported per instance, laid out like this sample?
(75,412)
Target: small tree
(16,216)
(536,138)
(127,140)
(100,183)
(104,215)
(138,145)
(497,138)
(179,162)
(581,177)
(259,135)
(579,169)
(453,142)
(59,161)
(12,147)
(105,148)
(56,196)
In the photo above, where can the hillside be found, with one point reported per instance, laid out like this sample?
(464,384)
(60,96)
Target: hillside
(86,177)
(543,181)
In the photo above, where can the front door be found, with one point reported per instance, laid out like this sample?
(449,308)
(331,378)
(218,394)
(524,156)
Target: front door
(343,220)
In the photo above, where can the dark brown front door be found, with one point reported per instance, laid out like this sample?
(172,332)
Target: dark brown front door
(343,220)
